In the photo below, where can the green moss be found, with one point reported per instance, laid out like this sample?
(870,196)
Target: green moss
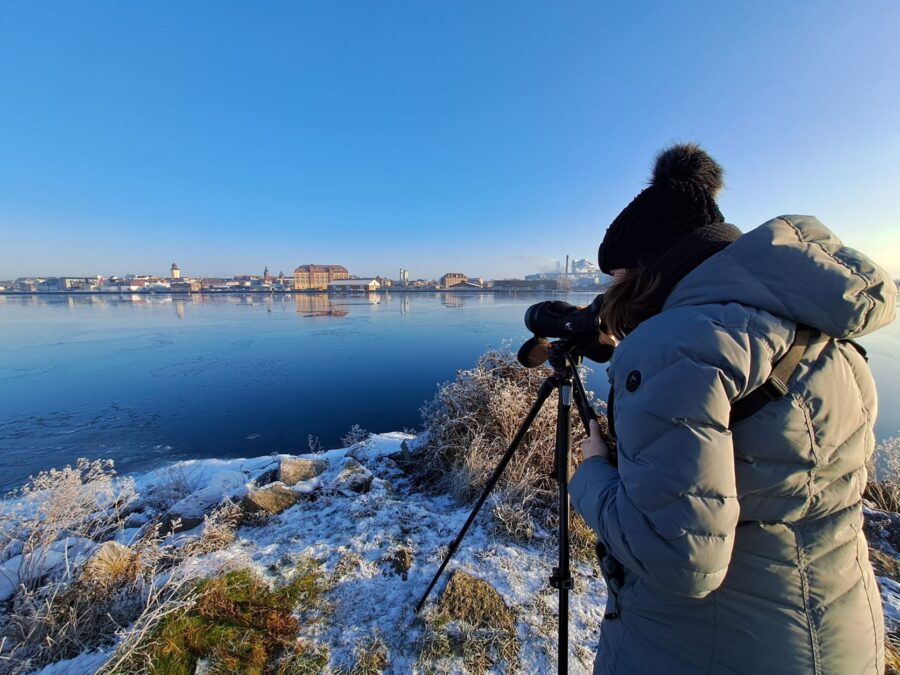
(240,624)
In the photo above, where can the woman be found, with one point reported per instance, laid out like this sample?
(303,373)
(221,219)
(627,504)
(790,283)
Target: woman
(740,543)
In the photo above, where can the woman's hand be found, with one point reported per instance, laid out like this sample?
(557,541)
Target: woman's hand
(594,445)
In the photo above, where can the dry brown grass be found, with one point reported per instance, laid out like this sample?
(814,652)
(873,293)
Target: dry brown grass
(116,593)
(370,657)
(884,464)
(56,611)
(883,494)
(884,564)
(883,486)
(218,530)
(471,622)
(892,654)
(470,424)
(582,539)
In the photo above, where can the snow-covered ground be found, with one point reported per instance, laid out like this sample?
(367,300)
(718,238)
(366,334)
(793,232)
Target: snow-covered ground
(367,596)
(355,535)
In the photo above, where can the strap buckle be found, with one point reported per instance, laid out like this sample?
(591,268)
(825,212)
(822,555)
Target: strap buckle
(774,388)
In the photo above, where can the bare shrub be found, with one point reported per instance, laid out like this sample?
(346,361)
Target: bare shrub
(218,530)
(315,445)
(883,486)
(71,596)
(512,520)
(355,435)
(57,611)
(57,509)
(469,425)
(173,485)
(883,494)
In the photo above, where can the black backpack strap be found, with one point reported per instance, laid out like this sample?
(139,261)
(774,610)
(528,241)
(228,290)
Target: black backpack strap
(858,347)
(777,385)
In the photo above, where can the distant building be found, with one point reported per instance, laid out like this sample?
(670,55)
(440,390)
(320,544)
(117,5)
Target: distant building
(317,277)
(585,266)
(468,286)
(187,286)
(526,285)
(453,278)
(176,272)
(354,286)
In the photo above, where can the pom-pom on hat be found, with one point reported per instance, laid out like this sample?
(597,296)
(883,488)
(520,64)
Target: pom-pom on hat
(680,200)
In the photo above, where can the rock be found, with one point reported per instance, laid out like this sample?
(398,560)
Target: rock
(192,509)
(354,476)
(32,566)
(136,519)
(403,458)
(271,499)
(111,562)
(292,470)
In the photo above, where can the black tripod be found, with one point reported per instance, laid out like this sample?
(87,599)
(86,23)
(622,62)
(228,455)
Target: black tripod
(564,362)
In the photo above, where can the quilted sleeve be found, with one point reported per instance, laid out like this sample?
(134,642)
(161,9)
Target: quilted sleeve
(669,512)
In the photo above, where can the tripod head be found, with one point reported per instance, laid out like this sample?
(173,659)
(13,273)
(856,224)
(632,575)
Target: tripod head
(564,356)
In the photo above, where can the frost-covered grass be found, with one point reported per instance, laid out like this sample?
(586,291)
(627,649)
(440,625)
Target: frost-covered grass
(238,623)
(373,555)
(883,486)
(467,428)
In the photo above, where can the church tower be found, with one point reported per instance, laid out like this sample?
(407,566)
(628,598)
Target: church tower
(176,273)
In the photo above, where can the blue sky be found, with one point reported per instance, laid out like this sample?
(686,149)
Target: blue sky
(485,137)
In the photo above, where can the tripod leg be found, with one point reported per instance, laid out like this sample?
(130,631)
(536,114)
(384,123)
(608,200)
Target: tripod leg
(562,575)
(543,394)
(582,404)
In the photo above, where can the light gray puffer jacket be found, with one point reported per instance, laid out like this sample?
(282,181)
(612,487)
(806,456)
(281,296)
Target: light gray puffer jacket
(743,548)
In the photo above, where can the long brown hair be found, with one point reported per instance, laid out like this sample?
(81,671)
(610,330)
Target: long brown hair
(630,300)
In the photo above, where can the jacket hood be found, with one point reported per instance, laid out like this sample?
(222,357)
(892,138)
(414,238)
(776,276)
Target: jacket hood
(796,268)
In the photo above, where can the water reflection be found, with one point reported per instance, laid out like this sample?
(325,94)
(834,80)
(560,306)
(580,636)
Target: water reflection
(318,304)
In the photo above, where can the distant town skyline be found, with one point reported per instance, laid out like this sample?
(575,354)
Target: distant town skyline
(163,271)
(489,139)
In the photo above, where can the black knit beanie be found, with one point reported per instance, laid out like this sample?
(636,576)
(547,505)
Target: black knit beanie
(679,203)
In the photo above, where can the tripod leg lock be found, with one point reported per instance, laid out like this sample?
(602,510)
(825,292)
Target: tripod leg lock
(561,579)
